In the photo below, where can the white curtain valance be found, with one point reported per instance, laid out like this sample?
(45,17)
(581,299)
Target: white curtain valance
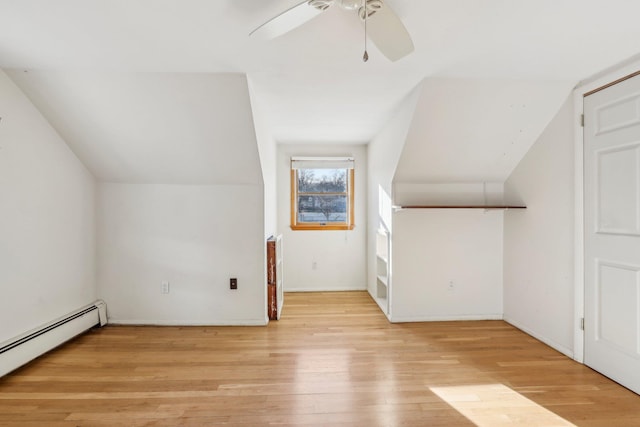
(322,163)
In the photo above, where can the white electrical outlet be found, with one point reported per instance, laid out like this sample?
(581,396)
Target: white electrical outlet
(165,286)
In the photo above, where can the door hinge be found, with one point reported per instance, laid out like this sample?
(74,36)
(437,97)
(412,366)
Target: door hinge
(582,323)
(582,120)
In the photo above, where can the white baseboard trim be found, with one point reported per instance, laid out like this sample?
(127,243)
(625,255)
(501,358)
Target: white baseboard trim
(381,304)
(409,319)
(325,289)
(148,322)
(559,347)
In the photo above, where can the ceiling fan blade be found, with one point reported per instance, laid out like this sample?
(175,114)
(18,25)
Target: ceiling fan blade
(288,20)
(389,34)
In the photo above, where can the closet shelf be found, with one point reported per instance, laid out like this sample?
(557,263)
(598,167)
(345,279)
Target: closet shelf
(383,280)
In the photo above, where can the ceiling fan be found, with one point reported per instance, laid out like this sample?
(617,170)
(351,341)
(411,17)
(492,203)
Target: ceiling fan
(381,24)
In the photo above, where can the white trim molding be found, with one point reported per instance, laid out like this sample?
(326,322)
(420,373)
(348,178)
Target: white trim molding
(556,346)
(599,80)
(151,322)
(453,318)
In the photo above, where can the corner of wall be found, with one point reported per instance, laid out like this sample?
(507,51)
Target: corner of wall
(539,241)
(48,218)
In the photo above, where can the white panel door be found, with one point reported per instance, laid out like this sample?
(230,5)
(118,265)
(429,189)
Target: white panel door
(612,232)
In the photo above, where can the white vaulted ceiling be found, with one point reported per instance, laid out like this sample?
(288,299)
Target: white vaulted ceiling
(119,77)
(166,128)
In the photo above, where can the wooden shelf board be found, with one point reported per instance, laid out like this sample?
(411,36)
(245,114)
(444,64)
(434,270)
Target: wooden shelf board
(459,207)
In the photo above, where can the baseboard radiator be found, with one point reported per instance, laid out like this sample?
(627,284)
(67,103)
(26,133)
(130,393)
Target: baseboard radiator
(26,347)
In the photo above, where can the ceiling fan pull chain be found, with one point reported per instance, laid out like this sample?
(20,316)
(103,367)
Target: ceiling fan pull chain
(365,57)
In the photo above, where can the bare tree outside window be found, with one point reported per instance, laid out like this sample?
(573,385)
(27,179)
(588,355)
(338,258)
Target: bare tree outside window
(322,195)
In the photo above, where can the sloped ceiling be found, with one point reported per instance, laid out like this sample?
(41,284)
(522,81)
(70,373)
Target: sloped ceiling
(169,128)
(312,80)
(476,130)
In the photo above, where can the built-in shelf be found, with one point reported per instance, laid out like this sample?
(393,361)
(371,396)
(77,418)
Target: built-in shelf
(496,207)
(383,280)
(382,269)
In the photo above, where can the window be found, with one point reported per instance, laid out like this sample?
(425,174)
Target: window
(322,193)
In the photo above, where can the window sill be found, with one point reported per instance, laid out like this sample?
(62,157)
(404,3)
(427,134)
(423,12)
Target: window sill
(329,227)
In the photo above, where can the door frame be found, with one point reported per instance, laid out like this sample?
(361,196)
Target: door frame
(599,81)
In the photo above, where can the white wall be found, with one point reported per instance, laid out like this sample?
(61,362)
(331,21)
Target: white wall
(339,256)
(46,220)
(538,241)
(181,196)
(463,133)
(267,149)
(433,249)
(195,237)
(383,153)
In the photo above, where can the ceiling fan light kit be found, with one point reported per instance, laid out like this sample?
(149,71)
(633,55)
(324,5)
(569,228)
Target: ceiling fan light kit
(381,24)
(350,4)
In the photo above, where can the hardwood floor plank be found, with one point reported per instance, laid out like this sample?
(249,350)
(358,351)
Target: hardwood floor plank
(333,359)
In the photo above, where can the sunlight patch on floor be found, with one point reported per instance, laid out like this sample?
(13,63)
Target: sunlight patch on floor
(495,405)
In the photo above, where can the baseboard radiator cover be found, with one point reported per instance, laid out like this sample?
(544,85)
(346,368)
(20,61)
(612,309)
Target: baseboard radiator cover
(24,348)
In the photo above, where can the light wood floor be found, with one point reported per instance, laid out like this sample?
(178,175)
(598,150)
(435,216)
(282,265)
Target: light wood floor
(332,360)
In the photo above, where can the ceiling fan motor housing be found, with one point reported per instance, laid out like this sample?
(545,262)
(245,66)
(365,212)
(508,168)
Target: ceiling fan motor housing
(372,7)
(320,4)
(385,30)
